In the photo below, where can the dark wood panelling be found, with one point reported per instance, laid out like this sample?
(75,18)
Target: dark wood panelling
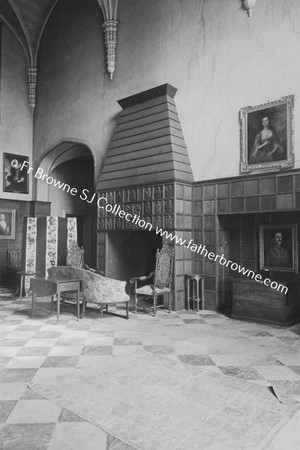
(237,188)
(267,185)
(197,192)
(285,184)
(237,205)
(252,203)
(258,194)
(222,190)
(210,283)
(209,222)
(209,207)
(251,187)
(285,201)
(240,205)
(268,202)
(188,192)
(209,268)
(209,192)
(223,206)
(297,182)
(209,238)
(167,206)
(297,195)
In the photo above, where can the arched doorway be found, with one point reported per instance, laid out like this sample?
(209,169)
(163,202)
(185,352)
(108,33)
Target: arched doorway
(68,170)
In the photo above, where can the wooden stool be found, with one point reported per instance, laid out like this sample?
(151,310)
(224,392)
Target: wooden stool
(194,284)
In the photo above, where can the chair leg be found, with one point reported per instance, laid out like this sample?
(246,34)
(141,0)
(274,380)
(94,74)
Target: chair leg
(21,287)
(135,297)
(169,302)
(135,303)
(127,310)
(51,304)
(101,309)
(83,308)
(32,304)
(78,305)
(57,305)
(198,295)
(154,305)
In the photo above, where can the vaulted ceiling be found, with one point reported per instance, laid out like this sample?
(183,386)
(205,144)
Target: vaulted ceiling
(27,19)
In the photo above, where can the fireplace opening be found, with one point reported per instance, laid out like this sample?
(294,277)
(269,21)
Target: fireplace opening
(131,253)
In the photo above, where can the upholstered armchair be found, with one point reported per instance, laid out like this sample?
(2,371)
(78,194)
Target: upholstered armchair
(95,288)
(161,280)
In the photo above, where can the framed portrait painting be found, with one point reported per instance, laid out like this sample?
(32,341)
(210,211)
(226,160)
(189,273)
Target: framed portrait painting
(14,179)
(7,223)
(278,247)
(267,135)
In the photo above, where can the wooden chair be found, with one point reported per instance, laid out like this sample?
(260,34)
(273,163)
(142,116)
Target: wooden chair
(162,280)
(13,266)
(75,256)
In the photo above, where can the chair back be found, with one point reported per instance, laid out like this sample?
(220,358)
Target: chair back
(75,256)
(13,260)
(164,267)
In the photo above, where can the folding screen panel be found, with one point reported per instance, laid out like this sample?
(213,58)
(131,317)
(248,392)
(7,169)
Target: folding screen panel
(45,243)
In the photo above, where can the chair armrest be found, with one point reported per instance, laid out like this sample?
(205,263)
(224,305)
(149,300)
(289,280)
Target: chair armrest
(99,272)
(144,278)
(99,289)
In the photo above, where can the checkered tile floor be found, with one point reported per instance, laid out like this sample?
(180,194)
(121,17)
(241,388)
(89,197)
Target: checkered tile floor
(34,349)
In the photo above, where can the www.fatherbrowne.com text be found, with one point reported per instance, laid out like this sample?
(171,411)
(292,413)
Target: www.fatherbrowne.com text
(135,219)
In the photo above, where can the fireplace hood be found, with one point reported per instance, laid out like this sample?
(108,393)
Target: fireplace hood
(147,173)
(147,145)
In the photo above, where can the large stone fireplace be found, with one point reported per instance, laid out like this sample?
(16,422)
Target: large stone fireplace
(147,173)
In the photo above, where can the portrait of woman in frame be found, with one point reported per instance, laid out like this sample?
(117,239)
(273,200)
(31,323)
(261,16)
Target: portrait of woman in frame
(267,135)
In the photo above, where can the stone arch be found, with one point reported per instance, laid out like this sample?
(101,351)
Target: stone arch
(60,177)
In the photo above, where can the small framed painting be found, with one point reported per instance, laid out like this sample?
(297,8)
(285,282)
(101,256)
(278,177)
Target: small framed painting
(267,135)
(7,223)
(278,247)
(14,179)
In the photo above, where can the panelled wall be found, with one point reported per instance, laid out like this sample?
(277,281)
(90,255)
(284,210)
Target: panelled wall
(226,218)
(166,206)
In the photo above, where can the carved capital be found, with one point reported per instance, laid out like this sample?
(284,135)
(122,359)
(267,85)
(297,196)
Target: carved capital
(31,80)
(110,29)
(248,6)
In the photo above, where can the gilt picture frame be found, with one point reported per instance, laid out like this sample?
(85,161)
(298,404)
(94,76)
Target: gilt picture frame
(7,223)
(15,180)
(278,247)
(267,136)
